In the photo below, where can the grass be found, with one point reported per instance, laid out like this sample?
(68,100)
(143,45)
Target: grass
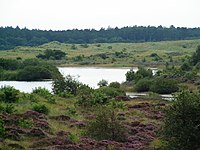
(135,53)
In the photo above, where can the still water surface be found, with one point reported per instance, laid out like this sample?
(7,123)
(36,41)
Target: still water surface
(87,75)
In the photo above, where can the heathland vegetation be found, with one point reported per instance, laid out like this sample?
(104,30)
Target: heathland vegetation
(76,116)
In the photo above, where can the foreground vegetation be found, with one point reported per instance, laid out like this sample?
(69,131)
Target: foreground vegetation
(74,116)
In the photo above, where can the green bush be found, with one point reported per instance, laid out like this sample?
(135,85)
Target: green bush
(65,85)
(106,126)
(114,85)
(84,95)
(130,75)
(99,98)
(111,92)
(117,105)
(25,123)
(164,86)
(181,127)
(52,54)
(141,73)
(8,108)
(102,83)
(41,108)
(143,85)
(42,92)
(9,94)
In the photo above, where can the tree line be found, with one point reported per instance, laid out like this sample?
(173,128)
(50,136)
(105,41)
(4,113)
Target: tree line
(11,37)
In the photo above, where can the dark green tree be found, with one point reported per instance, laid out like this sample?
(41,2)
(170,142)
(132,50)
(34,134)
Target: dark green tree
(181,127)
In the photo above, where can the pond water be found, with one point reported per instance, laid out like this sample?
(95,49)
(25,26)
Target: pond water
(87,75)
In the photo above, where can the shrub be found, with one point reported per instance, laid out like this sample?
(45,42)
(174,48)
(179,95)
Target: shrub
(130,75)
(25,123)
(42,92)
(41,108)
(143,85)
(9,94)
(106,126)
(52,54)
(8,108)
(99,98)
(181,123)
(114,85)
(111,92)
(143,73)
(65,85)
(71,111)
(117,105)
(84,95)
(102,83)
(164,86)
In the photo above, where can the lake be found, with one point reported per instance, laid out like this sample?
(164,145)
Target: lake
(87,75)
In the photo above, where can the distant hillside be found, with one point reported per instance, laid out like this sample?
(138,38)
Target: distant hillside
(12,37)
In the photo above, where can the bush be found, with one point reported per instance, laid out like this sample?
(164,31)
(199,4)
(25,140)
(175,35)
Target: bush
(25,123)
(9,94)
(106,126)
(99,98)
(41,108)
(52,54)
(143,73)
(164,86)
(130,75)
(111,92)
(42,92)
(8,108)
(102,83)
(114,85)
(143,85)
(65,85)
(84,95)
(181,123)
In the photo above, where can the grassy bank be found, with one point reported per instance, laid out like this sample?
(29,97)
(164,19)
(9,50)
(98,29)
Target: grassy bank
(112,55)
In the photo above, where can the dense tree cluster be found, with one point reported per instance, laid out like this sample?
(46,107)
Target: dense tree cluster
(26,70)
(11,37)
(52,54)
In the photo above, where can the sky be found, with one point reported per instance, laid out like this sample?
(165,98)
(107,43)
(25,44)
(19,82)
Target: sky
(96,14)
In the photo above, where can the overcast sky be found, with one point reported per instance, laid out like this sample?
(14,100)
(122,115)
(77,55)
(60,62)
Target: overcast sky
(82,14)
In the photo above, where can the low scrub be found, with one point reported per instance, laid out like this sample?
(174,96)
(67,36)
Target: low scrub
(9,94)
(41,108)
(143,85)
(106,126)
(164,86)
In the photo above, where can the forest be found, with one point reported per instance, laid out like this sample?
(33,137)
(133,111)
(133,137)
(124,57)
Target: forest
(11,37)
